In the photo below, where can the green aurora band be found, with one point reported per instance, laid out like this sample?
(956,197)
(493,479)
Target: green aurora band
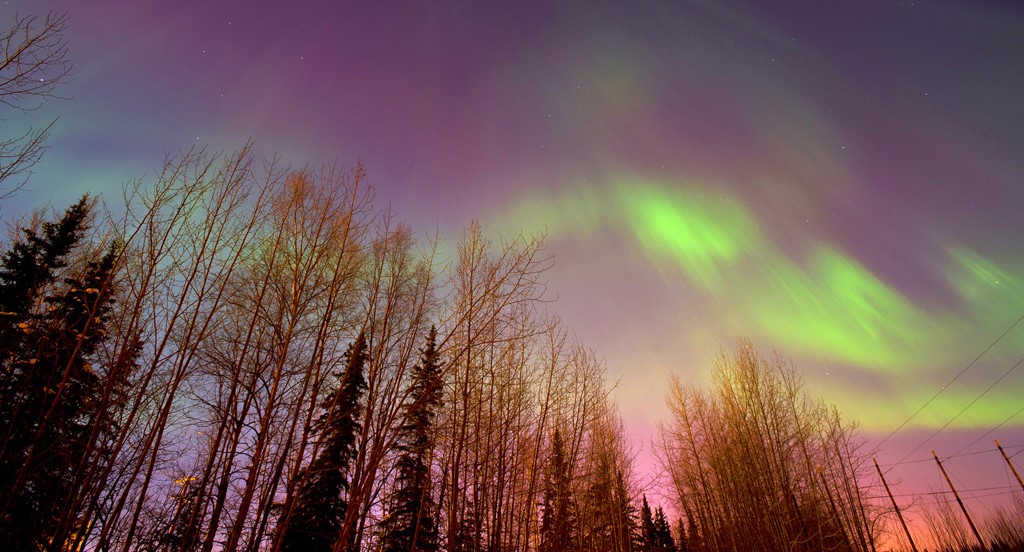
(825,306)
(704,237)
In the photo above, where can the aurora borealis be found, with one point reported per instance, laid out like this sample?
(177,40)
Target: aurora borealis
(841,183)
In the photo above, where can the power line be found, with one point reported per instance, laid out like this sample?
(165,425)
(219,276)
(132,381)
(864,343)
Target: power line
(972,494)
(948,499)
(956,454)
(1006,489)
(956,377)
(958,414)
(989,432)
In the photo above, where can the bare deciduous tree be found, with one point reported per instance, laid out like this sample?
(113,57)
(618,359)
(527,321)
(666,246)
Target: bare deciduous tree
(238,290)
(755,464)
(35,63)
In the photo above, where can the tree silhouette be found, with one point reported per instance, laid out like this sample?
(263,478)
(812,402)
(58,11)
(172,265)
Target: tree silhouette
(682,537)
(557,527)
(182,533)
(662,535)
(647,529)
(744,461)
(410,526)
(313,521)
(655,533)
(54,307)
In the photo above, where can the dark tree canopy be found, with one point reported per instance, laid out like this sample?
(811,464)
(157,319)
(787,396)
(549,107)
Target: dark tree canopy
(54,309)
(557,530)
(655,532)
(313,523)
(662,537)
(647,529)
(410,526)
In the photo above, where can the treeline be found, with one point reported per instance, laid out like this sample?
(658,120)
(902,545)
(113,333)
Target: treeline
(242,357)
(245,358)
(756,464)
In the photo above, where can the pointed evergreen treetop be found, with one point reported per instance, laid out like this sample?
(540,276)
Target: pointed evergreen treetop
(52,407)
(410,525)
(313,522)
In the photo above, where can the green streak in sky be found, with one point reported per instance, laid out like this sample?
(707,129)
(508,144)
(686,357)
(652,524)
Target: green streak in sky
(704,236)
(829,307)
(976,278)
(877,411)
(839,310)
(576,213)
(834,309)
(992,292)
(819,305)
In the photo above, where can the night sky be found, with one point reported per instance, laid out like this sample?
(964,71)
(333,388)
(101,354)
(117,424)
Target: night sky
(841,183)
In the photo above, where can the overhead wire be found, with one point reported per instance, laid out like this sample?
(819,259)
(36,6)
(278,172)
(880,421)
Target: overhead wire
(971,494)
(952,381)
(964,409)
(949,500)
(956,454)
(989,432)
(1005,489)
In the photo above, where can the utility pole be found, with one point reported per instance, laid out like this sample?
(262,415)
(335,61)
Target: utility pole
(893,500)
(958,501)
(1008,463)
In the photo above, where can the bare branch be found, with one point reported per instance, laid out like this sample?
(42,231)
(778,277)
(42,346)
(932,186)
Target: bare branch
(34,65)
(35,61)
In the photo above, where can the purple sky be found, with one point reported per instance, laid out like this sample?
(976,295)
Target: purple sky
(840,183)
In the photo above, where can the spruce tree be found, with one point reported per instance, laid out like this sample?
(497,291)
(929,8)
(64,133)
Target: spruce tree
(557,527)
(655,532)
(313,522)
(625,512)
(662,541)
(681,537)
(467,533)
(611,525)
(410,526)
(647,529)
(694,538)
(53,316)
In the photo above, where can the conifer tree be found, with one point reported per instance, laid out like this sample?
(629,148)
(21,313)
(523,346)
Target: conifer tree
(625,515)
(410,526)
(467,533)
(682,536)
(53,316)
(655,532)
(313,522)
(557,528)
(647,529)
(662,541)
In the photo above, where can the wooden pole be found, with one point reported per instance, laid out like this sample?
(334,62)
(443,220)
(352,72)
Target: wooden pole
(1008,463)
(958,501)
(893,500)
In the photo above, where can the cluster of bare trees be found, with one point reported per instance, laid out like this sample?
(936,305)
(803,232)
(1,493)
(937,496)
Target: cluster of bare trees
(237,288)
(755,464)
(950,529)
